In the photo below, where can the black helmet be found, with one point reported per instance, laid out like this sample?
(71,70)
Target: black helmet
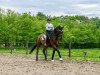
(48,19)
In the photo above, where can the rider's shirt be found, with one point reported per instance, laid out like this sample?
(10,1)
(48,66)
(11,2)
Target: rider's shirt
(49,26)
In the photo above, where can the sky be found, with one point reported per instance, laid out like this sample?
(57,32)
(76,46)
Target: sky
(90,8)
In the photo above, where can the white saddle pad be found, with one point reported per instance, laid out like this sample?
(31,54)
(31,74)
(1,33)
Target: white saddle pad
(43,37)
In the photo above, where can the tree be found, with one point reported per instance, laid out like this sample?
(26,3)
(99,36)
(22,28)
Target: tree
(41,16)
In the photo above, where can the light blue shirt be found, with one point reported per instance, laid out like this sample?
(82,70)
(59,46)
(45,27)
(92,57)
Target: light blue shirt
(49,26)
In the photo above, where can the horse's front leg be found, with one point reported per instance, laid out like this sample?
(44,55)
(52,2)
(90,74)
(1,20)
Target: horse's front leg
(56,49)
(59,55)
(53,54)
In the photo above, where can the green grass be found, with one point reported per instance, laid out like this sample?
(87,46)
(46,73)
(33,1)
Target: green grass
(76,54)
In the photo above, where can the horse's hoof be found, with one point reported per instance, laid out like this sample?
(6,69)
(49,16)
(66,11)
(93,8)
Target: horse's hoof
(45,59)
(52,60)
(61,59)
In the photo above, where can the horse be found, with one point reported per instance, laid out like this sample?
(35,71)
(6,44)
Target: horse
(53,42)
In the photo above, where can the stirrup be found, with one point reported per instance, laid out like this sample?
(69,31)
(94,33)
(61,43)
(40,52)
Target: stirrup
(49,37)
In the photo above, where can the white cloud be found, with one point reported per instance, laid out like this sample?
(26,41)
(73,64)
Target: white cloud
(11,8)
(54,7)
(87,5)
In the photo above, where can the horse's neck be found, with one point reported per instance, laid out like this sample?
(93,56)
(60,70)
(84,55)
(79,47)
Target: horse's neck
(54,36)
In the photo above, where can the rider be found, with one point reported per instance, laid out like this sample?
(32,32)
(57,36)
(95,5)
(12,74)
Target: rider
(49,28)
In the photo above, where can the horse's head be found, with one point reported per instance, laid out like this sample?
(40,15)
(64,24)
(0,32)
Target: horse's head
(58,31)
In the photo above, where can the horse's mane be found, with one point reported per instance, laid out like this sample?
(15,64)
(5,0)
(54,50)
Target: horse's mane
(54,32)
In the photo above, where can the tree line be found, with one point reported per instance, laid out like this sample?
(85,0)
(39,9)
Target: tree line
(21,27)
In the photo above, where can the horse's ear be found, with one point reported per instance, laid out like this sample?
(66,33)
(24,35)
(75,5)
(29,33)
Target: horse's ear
(58,26)
(62,27)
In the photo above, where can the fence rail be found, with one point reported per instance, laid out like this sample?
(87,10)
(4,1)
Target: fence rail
(69,47)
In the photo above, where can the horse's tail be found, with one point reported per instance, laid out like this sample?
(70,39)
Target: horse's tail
(33,47)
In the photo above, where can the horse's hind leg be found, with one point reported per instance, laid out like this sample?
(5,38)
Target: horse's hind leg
(45,52)
(37,51)
(37,54)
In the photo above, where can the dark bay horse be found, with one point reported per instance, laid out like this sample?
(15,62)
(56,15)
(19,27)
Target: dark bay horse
(53,42)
